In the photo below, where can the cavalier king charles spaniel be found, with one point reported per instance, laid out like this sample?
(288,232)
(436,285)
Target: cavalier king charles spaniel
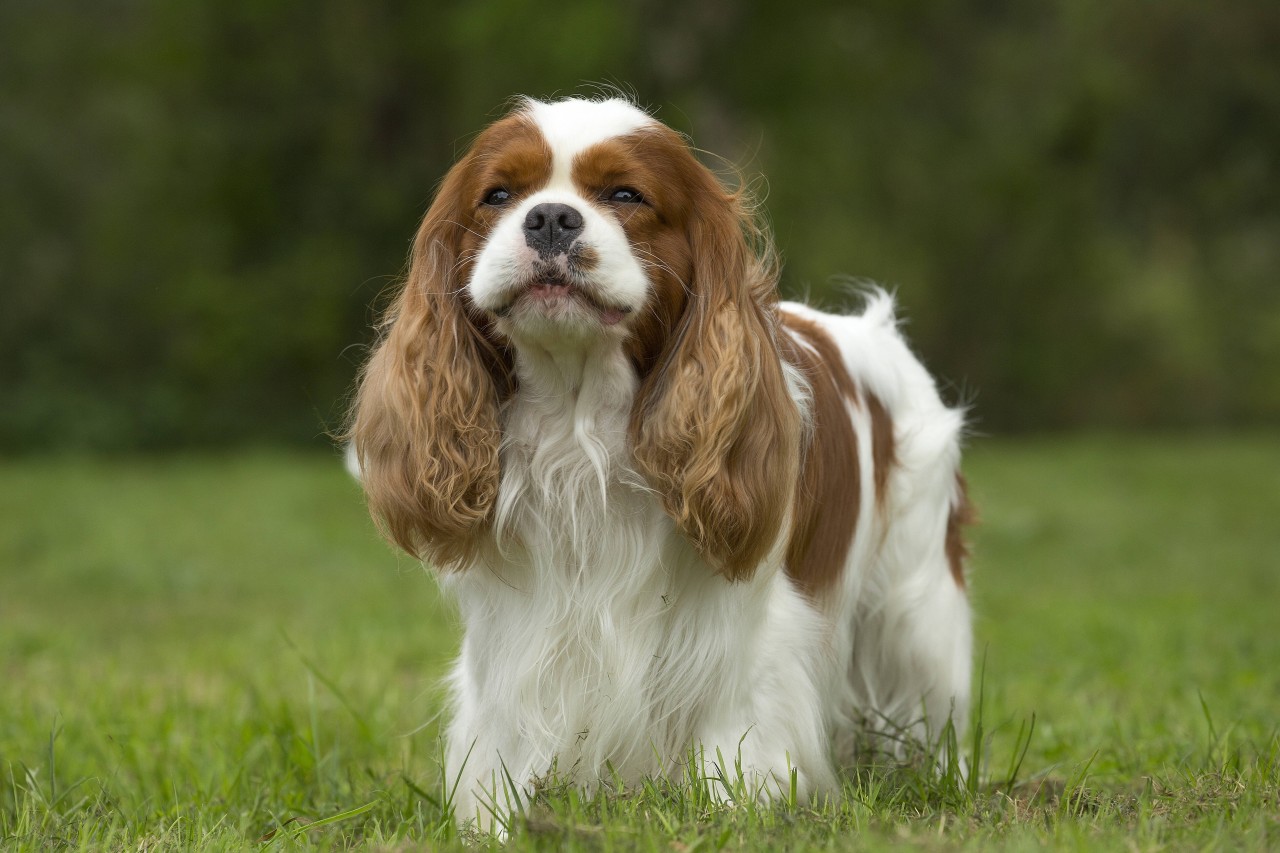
(690,529)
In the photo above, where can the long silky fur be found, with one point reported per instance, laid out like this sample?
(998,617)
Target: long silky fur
(715,428)
(622,496)
(425,419)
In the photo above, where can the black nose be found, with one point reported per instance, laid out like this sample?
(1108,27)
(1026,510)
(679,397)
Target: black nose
(551,228)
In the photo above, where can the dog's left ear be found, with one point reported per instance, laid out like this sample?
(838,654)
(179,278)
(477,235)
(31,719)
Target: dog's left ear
(714,429)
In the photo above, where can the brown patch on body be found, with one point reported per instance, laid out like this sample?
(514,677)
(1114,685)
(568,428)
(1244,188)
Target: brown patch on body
(883,446)
(829,492)
(962,515)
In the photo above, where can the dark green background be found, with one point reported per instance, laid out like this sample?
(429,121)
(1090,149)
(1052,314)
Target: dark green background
(1077,201)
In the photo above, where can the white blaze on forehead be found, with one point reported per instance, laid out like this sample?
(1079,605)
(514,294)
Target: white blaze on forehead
(572,126)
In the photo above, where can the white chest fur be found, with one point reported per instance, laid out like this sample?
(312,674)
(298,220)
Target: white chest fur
(568,624)
(596,641)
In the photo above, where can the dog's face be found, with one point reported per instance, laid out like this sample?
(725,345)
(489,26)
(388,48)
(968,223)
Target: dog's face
(557,259)
(576,224)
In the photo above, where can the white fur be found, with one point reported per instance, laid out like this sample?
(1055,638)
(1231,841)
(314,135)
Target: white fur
(618,277)
(599,646)
(598,639)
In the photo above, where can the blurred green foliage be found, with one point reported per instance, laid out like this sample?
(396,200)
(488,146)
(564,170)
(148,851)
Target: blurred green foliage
(1078,201)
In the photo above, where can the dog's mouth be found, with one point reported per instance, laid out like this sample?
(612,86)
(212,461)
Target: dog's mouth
(555,293)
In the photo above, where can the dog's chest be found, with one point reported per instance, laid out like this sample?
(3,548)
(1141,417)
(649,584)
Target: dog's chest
(569,500)
(588,589)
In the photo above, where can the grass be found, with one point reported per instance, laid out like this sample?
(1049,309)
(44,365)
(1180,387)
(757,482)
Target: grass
(218,653)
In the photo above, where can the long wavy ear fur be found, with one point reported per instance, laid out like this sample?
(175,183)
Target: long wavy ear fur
(425,419)
(714,428)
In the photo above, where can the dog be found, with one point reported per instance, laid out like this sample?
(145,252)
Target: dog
(680,518)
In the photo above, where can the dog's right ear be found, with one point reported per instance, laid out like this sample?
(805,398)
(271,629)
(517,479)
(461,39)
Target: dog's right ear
(424,424)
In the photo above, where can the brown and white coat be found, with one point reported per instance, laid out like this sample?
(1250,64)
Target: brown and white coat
(675,513)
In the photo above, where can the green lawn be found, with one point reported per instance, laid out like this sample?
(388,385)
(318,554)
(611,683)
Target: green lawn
(199,651)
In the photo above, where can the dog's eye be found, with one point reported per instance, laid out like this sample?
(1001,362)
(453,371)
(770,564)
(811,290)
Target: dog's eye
(625,195)
(497,197)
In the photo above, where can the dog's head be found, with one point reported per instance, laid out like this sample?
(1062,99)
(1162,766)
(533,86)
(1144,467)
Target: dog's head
(569,224)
